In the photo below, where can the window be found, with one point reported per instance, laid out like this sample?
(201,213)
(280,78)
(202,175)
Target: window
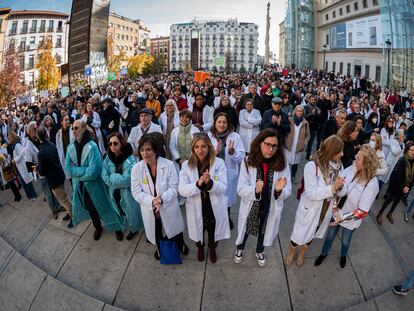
(333,14)
(365,4)
(327,39)
(58,58)
(341,68)
(341,11)
(42,25)
(333,67)
(356,6)
(60,23)
(1,22)
(378,73)
(348,69)
(32,40)
(50,28)
(34,26)
(31,62)
(326,17)
(24,27)
(21,63)
(59,41)
(13,28)
(326,66)
(375,2)
(348,9)
(22,44)
(350,39)
(367,71)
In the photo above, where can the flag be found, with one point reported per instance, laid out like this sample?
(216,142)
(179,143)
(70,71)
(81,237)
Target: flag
(200,76)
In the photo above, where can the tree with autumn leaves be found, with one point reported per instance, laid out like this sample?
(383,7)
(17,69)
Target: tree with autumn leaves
(49,73)
(11,80)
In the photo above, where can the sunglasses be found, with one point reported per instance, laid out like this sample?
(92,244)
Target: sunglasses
(76,128)
(113,143)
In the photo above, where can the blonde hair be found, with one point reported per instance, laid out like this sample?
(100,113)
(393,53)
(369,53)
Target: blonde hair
(330,147)
(370,165)
(13,137)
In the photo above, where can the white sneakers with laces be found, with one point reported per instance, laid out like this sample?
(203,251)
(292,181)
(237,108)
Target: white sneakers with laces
(261,260)
(238,256)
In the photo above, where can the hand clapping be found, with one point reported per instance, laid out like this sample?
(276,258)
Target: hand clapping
(280,184)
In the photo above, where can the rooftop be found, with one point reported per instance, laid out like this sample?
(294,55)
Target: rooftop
(37,12)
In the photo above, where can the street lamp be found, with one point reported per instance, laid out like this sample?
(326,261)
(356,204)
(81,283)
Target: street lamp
(324,56)
(388,43)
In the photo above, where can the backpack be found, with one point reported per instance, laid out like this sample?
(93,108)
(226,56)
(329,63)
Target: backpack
(301,189)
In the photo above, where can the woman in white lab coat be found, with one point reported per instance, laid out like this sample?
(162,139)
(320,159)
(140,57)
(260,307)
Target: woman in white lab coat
(396,151)
(361,189)
(263,185)
(64,138)
(249,120)
(322,185)
(387,133)
(229,147)
(202,114)
(169,120)
(92,119)
(203,182)
(154,183)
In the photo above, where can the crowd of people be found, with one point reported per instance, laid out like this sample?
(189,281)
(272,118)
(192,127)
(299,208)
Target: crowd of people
(134,151)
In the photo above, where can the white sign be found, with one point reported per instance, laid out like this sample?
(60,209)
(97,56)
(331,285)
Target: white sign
(44,93)
(364,33)
(99,71)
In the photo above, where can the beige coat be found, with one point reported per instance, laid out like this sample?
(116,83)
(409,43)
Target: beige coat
(303,139)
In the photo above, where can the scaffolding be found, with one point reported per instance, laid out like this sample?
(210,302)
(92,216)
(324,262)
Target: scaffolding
(299,32)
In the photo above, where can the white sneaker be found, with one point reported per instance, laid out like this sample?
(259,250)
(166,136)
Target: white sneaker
(405,217)
(238,256)
(261,260)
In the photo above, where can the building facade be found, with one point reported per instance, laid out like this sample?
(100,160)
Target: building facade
(161,45)
(348,37)
(127,35)
(282,43)
(4,13)
(299,33)
(397,19)
(27,30)
(214,45)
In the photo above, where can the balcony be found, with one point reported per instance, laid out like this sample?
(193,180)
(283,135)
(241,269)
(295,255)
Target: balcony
(42,29)
(33,30)
(50,29)
(23,31)
(58,44)
(22,48)
(59,29)
(12,32)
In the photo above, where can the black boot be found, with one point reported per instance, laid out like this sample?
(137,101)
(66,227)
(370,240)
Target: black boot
(230,222)
(131,235)
(119,235)
(66,217)
(97,234)
(319,260)
(342,262)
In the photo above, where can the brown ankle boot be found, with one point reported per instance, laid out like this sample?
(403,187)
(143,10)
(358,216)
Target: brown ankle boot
(290,255)
(389,216)
(379,218)
(301,255)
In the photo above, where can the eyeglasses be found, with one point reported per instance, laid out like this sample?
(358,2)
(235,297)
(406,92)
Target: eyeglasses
(113,143)
(270,146)
(76,128)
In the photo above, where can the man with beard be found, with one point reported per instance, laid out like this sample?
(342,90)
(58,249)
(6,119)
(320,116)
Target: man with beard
(89,196)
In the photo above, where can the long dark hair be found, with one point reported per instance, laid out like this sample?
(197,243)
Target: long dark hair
(255,159)
(120,137)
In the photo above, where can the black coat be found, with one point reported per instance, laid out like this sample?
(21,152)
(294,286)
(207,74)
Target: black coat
(329,128)
(49,165)
(231,113)
(107,116)
(349,154)
(259,102)
(398,178)
(283,129)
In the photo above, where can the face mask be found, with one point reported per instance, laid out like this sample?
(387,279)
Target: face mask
(216,93)
(374,120)
(372,144)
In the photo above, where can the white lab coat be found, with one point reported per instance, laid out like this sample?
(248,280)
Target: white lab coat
(386,141)
(359,196)
(310,206)
(208,117)
(188,189)
(246,188)
(59,147)
(96,124)
(232,163)
(142,189)
(382,164)
(136,134)
(163,121)
(249,126)
(395,153)
(20,161)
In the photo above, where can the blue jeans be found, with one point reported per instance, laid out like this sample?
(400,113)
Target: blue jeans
(28,188)
(345,241)
(410,208)
(410,282)
(51,200)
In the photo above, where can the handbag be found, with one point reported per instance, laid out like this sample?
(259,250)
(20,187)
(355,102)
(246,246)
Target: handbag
(169,252)
(9,173)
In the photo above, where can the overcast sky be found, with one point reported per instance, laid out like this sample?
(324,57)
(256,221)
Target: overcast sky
(158,15)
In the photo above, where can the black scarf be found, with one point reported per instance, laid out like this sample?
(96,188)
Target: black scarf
(297,120)
(126,151)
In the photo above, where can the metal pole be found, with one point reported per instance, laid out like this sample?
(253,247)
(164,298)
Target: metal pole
(324,59)
(388,70)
